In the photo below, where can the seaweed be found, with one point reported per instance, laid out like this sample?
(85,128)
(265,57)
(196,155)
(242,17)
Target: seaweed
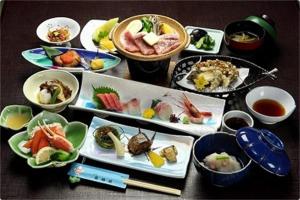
(102,90)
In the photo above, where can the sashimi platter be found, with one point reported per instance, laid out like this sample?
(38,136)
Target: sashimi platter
(126,115)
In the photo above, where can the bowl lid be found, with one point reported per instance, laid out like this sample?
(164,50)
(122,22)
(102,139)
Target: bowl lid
(264,148)
(266,23)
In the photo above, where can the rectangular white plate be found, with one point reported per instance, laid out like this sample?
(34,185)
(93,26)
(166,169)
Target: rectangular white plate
(128,89)
(217,35)
(92,150)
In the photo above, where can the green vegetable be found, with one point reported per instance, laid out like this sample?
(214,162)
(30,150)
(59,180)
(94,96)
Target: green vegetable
(185,120)
(120,150)
(206,43)
(103,139)
(54,96)
(102,90)
(222,157)
(60,155)
(155,102)
(147,24)
(74,179)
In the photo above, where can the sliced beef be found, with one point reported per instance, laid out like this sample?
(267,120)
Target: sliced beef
(128,42)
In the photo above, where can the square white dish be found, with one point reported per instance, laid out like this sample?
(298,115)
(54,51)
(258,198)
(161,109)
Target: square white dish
(92,150)
(216,34)
(128,89)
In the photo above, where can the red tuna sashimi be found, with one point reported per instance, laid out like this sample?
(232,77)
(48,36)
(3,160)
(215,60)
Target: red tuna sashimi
(104,100)
(111,101)
(128,42)
(117,101)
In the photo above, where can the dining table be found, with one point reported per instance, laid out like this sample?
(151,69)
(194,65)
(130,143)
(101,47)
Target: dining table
(19,21)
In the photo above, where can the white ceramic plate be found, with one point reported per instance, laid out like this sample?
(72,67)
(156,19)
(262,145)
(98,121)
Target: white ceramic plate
(217,35)
(184,144)
(128,90)
(43,28)
(87,32)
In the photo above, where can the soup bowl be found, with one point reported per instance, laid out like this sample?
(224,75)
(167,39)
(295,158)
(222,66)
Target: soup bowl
(272,93)
(246,27)
(220,142)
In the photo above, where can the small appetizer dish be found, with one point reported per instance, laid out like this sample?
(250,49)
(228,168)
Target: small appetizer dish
(101,37)
(138,149)
(15,117)
(222,164)
(149,37)
(236,119)
(270,104)
(49,141)
(58,30)
(51,90)
(71,59)
(244,36)
(204,40)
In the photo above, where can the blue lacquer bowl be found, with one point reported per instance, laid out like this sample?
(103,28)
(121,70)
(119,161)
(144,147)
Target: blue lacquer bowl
(220,142)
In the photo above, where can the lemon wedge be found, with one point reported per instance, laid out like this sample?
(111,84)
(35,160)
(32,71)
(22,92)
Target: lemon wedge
(44,154)
(104,30)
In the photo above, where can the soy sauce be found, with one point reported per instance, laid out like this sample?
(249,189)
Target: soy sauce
(269,107)
(236,123)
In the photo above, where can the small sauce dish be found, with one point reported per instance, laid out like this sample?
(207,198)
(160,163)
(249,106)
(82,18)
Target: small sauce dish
(15,117)
(236,119)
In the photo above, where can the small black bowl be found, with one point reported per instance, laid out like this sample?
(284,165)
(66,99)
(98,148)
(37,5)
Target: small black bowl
(246,27)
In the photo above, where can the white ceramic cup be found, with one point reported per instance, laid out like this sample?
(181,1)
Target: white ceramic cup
(237,114)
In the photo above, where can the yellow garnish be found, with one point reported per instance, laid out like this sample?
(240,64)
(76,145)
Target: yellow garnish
(166,29)
(107,44)
(200,82)
(156,159)
(97,63)
(148,113)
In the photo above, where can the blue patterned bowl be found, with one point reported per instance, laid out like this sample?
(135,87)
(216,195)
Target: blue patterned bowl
(220,142)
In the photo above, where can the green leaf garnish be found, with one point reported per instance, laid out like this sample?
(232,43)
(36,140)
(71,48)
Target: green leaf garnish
(51,52)
(155,102)
(102,90)
(222,157)
(54,96)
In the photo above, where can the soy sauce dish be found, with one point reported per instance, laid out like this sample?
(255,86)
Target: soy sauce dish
(270,104)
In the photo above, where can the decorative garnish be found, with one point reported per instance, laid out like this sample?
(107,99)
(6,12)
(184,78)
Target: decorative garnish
(185,120)
(102,90)
(148,113)
(51,52)
(173,118)
(155,102)
(221,157)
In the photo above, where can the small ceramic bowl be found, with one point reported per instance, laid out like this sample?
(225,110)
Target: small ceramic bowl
(31,88)
(75,133)
(244,26)
(236,114)
(220,142)
(15,117)
(273,93)
(58,22)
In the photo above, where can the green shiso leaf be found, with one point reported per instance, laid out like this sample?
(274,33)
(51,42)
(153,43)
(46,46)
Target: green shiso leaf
(102,90)
(155,102)
(51,52)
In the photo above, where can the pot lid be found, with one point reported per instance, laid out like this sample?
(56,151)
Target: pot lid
(265,149)
(266,23)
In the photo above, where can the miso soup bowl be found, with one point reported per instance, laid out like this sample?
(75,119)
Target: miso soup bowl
(273,93)
(220,142)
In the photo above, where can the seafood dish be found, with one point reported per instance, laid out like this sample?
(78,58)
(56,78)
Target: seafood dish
(149,36)
(169,153)
(212,74)
(58,34)
(53,92)
(47,142)
(68,59)
(222,162)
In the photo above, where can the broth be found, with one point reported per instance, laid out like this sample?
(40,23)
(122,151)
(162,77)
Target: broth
(244,36)
(16,121)
(269,107)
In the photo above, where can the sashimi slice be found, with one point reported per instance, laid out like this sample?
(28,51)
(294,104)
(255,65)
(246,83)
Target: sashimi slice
(117,101)
(104,100)
(111,102)
(133,107)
